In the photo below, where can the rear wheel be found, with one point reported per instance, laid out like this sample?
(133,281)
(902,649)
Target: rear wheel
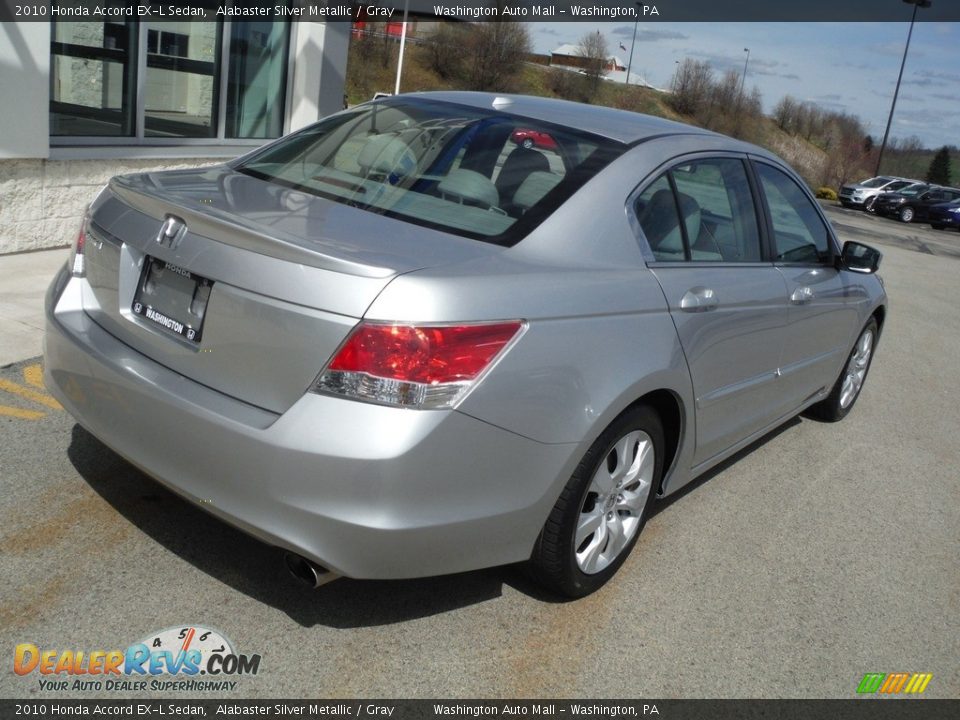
(847,388)
(907,214)
(598,517)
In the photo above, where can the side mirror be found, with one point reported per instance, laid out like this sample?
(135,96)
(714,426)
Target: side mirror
(860,258)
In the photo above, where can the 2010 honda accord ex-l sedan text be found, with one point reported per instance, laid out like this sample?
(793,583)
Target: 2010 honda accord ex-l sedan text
(397,344)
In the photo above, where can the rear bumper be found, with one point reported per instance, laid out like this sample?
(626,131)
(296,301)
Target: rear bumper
(948,220)
(367,491)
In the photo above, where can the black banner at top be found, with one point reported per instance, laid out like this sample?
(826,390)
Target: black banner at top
(649,11)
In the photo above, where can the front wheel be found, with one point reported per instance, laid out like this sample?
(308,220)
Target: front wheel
(847,388)
(907,214)
(598,517)
(527,143)
(868,206)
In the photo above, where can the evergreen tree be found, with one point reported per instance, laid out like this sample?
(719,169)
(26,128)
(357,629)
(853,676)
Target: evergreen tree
(939,172)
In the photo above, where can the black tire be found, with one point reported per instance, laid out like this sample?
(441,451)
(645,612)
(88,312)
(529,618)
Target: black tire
(868,205)
(833,408)
(554,561)
(907,214)
(527,143)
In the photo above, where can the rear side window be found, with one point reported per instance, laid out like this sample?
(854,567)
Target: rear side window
(701,211)
(799,234)
(477,173)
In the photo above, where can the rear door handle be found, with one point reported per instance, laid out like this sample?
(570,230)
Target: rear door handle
(802,295)
(699,299)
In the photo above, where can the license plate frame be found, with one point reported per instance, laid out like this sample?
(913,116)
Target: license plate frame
(173,299)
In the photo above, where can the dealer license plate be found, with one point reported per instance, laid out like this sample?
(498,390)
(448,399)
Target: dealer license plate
(173,298)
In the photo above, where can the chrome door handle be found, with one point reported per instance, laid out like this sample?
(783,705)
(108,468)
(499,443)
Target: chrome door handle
(699,299)
(802,295)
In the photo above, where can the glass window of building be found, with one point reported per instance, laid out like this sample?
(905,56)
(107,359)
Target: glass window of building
(159,82)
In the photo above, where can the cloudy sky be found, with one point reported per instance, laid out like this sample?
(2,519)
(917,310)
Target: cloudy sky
(849,67)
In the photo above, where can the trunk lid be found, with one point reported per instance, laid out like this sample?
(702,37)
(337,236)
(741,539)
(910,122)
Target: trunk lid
(291,274)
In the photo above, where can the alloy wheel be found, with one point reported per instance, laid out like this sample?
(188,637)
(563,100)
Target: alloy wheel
(856,369)
(614,502)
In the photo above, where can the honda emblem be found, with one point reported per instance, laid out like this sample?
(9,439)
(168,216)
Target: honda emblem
(171,232)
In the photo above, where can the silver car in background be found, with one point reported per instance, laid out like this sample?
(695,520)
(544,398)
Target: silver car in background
(396,344)
(865,193)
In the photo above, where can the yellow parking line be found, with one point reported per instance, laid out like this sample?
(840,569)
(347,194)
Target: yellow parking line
(33,375)
(7,411)
(33,395)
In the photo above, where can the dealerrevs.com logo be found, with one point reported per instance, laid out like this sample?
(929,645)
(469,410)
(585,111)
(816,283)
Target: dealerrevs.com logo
(191,658)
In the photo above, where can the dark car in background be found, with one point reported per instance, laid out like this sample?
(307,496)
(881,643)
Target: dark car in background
(891,200)
(910,207)
(894,198)
(944,215)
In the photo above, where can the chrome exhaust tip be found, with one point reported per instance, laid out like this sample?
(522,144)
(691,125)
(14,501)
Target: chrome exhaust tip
(307,571)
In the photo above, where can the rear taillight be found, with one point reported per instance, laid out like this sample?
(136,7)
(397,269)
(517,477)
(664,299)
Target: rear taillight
(76,250)
(415,366)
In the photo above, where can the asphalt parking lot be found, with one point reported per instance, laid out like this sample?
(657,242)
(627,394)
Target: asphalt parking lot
(822,553)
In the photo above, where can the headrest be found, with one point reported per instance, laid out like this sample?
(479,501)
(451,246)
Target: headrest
(470,186)
(536,185)
(690,210)
(386,154)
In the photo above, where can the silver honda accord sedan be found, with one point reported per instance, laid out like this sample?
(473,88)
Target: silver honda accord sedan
(397,343)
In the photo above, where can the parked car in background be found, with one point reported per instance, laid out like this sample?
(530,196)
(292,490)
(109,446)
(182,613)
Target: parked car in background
(915,207)
(529,138)
(944,215)
(912,189)
(862,194)
(391,348)
(891,200)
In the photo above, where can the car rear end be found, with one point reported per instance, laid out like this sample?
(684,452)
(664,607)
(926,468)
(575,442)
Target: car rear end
(945,215)
(210,328)
(201,364)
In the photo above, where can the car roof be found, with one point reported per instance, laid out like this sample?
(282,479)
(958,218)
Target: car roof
(620,125)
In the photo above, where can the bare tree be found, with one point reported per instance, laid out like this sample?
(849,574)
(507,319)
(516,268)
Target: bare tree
(443,50)
(690,90)
(722,112)
(785,114)
(595,53)
(495,52)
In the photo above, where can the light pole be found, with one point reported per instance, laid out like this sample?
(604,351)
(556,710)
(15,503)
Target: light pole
(917,4)
(403,42)
(743,80)
(632,44)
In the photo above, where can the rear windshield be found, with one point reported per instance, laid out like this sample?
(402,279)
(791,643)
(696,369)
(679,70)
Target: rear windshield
(481,174)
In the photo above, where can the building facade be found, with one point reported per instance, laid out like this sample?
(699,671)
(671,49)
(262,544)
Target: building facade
(82,101)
